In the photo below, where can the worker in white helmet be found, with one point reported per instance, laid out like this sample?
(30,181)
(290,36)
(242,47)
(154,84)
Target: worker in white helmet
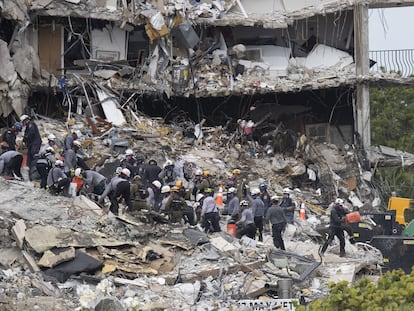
(57,181)
(288,206)
(118,189)
(154,195)
(51,142)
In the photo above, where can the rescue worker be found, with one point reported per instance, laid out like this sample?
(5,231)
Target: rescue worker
(209,213)
(198,207)
(71,159)
(94,182)
(152,170)
(10,135)
(31,138)
(258,210)
(265,196)
(140,169)
(337,221)
(44,163)
(154,196)
(203,181)
(176,206)
(277,219)
(69,140)
(51,141)
(165,195)
(246,226)
(138,194)
(233,204)
(117,189)
(10,163)
(288,206)
(57,181)
(167,175)
(129,161)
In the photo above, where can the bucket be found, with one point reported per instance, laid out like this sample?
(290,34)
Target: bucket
(352,217)
(232,229)
(284,288)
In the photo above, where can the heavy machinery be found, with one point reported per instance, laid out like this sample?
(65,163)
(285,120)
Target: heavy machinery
(404,209)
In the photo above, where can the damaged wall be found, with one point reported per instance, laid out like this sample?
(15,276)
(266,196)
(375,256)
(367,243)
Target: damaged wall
(108,43)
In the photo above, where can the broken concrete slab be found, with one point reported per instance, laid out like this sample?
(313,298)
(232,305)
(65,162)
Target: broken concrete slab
(8,73)
(43,238)
(53,258)
(18,232)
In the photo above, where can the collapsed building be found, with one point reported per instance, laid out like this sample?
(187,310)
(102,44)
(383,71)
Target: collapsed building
(298,70)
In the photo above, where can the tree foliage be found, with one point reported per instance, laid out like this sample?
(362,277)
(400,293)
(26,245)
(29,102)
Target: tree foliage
(394,291)
(392,124)
(392,117)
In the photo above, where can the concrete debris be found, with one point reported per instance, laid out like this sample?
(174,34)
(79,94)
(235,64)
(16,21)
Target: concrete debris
(155,264)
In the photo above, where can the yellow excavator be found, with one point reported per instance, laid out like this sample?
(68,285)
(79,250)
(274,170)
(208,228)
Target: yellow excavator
(404,209)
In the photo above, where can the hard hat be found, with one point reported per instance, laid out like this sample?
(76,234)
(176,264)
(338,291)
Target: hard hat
(168,163)
(165,189)
(206,173)
(140,157)
(199,196)
(339,201)
(59,163)
(126,172)
(179,183)
(77,143)
(287,191)
(199,172)
(274,198)
(50,150)
(78,171)
(231,190)
(51,137)
(244,203)
(255,191)
(129,152)
(262,186)
(157,184)
(24,117)
(236,171)
(18,126)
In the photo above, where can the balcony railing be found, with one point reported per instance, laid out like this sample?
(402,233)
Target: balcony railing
(400,61)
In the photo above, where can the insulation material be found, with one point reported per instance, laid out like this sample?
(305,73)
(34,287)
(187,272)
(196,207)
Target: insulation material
(323,56)
(110,105)
(108,43)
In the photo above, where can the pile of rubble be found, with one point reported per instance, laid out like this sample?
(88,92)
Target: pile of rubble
(63,253)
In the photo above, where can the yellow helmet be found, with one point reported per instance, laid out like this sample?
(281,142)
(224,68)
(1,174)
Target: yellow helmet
(179,183)
(236,171)
(206,173)
(175,189)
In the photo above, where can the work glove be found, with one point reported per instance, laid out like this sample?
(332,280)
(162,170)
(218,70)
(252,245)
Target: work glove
(72,172)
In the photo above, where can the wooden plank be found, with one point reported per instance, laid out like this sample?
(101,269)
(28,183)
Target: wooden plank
(31,262)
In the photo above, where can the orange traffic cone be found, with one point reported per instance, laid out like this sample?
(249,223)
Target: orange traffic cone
(219,197)
(302,212)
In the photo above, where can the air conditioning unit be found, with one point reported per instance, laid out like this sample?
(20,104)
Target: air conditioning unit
(254,55)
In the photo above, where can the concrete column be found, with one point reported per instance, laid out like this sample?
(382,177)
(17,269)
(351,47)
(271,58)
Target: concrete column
(362,107)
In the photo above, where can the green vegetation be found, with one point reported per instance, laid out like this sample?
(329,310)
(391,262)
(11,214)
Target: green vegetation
(392,124)
(394,292)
